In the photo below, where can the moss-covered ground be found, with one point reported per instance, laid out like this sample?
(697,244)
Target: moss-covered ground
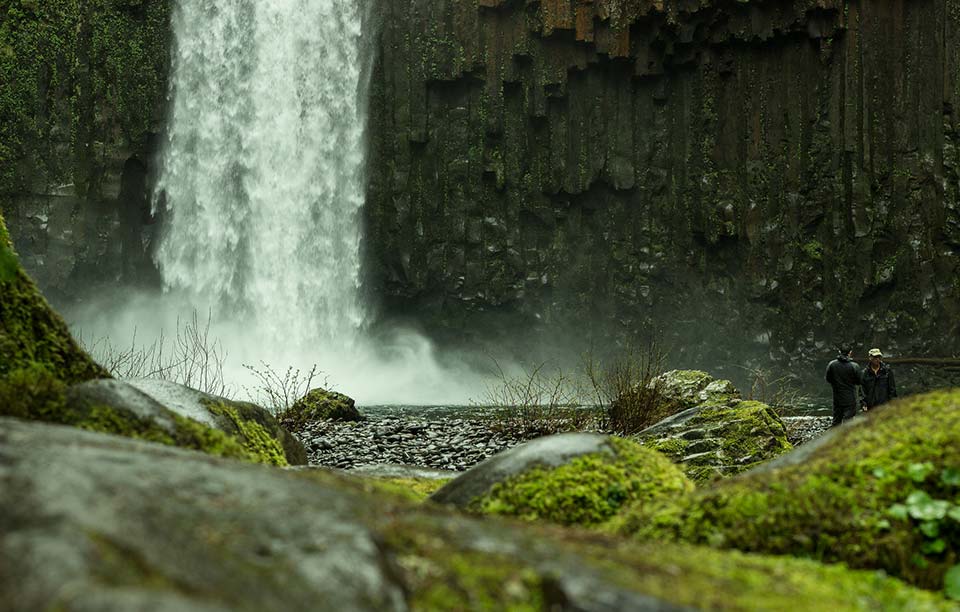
(588,490)
(884,495)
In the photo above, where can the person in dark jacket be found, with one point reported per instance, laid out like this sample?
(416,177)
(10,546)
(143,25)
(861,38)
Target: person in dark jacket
(877,381)
(844,377)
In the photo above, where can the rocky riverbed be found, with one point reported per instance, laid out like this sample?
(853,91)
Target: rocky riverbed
(443,442)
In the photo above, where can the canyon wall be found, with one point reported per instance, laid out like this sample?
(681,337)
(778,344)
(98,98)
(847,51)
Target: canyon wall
(745,180)
(82,96)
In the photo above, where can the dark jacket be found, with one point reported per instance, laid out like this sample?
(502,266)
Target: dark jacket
(844,376)
(878,388)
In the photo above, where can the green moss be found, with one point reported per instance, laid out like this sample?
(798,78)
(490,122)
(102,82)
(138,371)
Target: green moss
(440,577)
(76,74)
(448,565)
(31,333)
(813,250)
(35,393)
(317,405)
(261,445)
(31,393)
(588,490)
(413,489)
(672,447)
(839,504)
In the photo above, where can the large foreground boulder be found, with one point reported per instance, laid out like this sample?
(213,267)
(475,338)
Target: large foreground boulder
(713,433)
(881,492)
(582,479)
(95,522)
(31,333)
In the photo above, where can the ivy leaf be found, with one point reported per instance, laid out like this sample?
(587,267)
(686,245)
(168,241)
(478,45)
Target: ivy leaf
(927,509)
(898,511)
(918,472)
(934,548)
(883,525)
(880,472)
(951,582)
(950,477)
(931,529)
(954,513)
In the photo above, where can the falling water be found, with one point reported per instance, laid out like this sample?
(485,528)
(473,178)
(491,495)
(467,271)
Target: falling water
(262,170)
(260,193)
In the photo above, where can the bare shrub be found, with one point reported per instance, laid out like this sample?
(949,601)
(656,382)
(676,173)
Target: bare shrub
(536,403)
(278,392)
(627,388)
(192,358)
(780,393)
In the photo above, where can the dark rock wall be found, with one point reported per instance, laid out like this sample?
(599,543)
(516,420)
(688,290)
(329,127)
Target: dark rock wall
(751,178)
(82,96)
(746,179)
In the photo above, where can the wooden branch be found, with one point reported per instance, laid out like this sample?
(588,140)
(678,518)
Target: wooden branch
(943,362)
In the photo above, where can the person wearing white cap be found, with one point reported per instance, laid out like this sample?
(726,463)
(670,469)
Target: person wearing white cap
(877,381)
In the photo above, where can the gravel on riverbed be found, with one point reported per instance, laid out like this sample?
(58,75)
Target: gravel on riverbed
(445,443)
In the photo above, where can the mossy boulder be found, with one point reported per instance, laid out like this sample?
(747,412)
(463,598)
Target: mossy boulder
(252,425)
(881,493)
(572,479)
(319,405)
(31,333)
(715,434)
(102,522)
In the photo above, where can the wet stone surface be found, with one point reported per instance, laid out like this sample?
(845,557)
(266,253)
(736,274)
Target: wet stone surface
(442,442)
(446,444)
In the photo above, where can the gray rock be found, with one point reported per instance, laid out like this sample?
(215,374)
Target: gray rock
(550,451)
(100,522)
(388,470)
(158,400)
(122,396)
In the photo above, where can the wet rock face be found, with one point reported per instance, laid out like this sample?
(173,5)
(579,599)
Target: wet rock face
(729,172)
(84,102)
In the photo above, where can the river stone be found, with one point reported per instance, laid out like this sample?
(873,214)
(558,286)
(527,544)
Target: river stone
(549,451)
(716,434)
(96,522)
(197,405)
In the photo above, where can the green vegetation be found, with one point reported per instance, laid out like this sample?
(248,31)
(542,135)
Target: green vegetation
(319,404)
(252,435)
(588,490)
(77,74)
(31,333)
(881,495)
(444,569)
(35,393)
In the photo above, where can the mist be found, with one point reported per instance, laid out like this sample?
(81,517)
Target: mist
(398,366)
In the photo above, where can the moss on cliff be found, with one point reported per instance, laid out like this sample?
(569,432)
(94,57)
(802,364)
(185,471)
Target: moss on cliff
(77,76)
(884,494)
(588,490)
(31,333)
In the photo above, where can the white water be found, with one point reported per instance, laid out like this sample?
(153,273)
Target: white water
(262,171)
(261,189)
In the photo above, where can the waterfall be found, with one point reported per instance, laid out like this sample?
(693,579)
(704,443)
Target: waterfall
(261,182)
